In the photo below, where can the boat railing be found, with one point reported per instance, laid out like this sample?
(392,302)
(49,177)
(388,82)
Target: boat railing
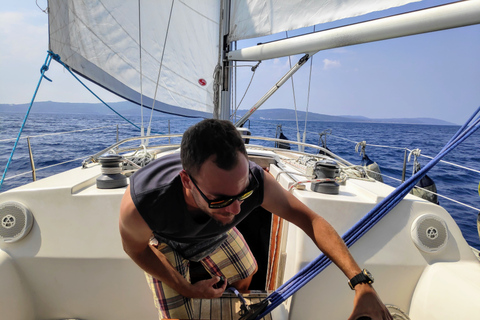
(145,143)
(158,147)
(63,133)
(406,152)
(115,147)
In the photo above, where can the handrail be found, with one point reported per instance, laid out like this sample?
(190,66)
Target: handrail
(95,157)
(347,163)
(331,154)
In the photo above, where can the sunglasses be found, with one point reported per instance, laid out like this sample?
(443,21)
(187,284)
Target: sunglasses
(226,201)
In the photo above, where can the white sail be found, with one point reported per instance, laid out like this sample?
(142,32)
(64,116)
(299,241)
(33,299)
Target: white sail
(101,41)
(179,40)
(255,18)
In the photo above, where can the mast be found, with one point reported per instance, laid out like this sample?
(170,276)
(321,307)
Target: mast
(222,86)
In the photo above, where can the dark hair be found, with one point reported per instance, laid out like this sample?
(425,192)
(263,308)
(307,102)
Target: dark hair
(211,137)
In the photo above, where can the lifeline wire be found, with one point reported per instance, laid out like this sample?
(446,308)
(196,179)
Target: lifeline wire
(44,69)
(368,221)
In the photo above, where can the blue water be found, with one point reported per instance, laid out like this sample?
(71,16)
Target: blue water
(451,181)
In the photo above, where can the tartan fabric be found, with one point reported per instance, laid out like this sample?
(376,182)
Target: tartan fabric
(233,260)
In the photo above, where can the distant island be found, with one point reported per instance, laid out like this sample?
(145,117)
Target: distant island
(129,109)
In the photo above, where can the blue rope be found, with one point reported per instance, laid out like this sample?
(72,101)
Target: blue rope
(44,69)
(51,55)
(369,220)
(57,58)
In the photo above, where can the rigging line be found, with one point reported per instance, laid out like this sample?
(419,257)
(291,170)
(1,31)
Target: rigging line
(453,200)
(308,99)
(388,147)
(442,196)
(367,222)
(308,96)
(245,93)
(234,113)
(161,62)
(140,56)
(47,167)
(119,25)
(243,65)
(395,148)
(421,155)
(294,99)
(198,12)
(451,163)
(57,58)
(44,10)
(44,69)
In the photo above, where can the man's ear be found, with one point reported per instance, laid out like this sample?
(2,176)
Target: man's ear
(185,179)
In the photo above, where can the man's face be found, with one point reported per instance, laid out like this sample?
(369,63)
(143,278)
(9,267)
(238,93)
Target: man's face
(216,183)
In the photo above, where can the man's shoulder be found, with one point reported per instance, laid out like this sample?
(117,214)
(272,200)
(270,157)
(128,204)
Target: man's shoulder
(159,172)
(151,183)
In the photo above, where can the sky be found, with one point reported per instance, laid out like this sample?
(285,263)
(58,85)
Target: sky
(434,75)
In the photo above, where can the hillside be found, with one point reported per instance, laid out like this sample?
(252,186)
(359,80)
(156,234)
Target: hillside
(127,108)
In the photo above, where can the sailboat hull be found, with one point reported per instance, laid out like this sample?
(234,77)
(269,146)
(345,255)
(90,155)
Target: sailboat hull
(72,265)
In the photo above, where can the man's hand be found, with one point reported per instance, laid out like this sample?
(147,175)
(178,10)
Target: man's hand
(368,304)
(205,289)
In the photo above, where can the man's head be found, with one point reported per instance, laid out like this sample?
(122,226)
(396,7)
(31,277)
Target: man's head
(215,139)
(216,168)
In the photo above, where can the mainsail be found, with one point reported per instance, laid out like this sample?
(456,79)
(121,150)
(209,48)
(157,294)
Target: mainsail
(164,54)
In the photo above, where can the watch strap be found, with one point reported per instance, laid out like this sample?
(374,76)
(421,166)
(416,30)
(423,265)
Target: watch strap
(362,277)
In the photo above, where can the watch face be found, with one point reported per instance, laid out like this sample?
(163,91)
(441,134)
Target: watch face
(368,274)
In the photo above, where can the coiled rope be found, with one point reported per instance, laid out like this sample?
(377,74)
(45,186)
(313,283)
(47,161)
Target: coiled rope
(368,221)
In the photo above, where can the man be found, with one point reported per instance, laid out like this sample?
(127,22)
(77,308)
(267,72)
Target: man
(192,210)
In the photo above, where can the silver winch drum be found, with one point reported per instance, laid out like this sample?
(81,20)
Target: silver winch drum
(111,177)
(326,169)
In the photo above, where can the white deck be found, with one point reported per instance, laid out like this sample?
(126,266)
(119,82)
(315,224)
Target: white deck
(72,265)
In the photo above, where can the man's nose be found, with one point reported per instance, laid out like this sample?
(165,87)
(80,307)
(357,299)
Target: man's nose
(234,207)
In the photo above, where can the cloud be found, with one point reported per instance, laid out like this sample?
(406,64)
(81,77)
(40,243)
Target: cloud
(23,43)
(330,64)
(21,34)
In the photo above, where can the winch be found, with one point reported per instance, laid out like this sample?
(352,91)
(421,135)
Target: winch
(111,172)
(326,169)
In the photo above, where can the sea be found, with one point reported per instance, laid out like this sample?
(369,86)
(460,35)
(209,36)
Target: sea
(67,139)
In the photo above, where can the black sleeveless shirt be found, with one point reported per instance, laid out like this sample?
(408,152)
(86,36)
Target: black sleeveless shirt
(157,193)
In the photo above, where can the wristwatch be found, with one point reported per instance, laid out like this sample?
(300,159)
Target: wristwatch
(363,277)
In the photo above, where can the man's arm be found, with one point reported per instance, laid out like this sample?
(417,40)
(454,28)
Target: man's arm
(284,204)
(136,235)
